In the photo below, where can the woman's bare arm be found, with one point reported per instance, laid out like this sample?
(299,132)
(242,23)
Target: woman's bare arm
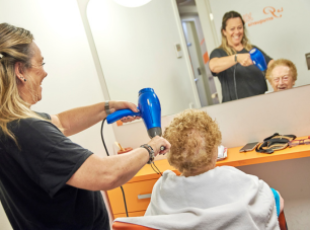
(221,64)
(76,120)
(105,173)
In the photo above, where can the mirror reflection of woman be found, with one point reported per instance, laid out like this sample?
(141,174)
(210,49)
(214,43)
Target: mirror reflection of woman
(232,64)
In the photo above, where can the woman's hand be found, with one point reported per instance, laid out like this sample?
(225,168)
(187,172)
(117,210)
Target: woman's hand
(244,59)
(117,105)
(157,142)
(220,64)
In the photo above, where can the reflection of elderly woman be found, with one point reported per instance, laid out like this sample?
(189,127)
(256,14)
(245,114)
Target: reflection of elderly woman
(47,181)
(205,196)
(282,74)
(232,64)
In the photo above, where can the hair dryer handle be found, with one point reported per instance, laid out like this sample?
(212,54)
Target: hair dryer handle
(120,114)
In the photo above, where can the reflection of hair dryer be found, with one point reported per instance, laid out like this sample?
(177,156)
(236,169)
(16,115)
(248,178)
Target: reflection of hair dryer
(149,110)
(258,59)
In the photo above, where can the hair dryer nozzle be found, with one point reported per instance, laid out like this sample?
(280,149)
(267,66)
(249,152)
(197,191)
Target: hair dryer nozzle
(258,59)
(152,132)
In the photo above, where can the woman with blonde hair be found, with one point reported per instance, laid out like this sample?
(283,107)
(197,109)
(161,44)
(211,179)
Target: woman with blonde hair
(46,180)
(232,64)
(205,196)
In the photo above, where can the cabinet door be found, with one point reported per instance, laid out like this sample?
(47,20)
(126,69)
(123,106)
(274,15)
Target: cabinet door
(137,196)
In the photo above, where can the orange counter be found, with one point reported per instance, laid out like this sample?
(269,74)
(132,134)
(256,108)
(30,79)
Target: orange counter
(234,158)
(142,183)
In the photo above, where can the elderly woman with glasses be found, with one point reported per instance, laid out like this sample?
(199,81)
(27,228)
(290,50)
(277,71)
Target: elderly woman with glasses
(281,74)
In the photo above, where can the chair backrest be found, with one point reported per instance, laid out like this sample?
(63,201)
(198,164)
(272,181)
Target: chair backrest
(282,221)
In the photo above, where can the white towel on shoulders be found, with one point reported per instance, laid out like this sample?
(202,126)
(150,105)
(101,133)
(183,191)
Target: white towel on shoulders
(222,198)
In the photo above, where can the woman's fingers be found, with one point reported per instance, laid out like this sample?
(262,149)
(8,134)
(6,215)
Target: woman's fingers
(129,119)
(117,105)
(245,59)
(157,142)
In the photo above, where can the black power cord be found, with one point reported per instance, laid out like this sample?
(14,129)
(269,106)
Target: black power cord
(156,170)
(121,187)
(235,84)
(106,149)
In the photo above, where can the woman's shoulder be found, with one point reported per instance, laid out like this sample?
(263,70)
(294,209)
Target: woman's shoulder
(43,115)
(168,174)
(218,49)
(231,170)
(256,47)
(162,181)
(32,126)
(218,52)
(29,121)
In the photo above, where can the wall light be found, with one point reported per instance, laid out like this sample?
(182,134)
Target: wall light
(211,16)
(132,3)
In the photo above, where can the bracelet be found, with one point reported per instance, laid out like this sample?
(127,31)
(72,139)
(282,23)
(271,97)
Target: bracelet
(151,152)
(107,108)
(236,58)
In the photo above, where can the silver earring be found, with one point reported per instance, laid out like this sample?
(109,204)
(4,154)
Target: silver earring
(23,79)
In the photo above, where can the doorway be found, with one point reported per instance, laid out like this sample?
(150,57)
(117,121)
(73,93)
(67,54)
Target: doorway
(198,53)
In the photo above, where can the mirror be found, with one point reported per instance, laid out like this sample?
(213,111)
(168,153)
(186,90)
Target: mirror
(148,47)
(277,27)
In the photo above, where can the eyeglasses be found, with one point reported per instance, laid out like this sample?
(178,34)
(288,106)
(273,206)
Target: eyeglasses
(299,142)
(284,79)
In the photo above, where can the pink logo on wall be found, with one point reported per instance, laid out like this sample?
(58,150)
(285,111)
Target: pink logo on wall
(269,11)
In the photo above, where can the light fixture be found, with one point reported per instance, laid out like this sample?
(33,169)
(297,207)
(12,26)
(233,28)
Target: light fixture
(211,16)
(132,3)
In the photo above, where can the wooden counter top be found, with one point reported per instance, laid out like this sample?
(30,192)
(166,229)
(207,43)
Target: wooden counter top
(234,158)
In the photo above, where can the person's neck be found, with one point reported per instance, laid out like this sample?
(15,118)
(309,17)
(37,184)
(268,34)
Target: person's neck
(238,47)
(198,171)
(25,96)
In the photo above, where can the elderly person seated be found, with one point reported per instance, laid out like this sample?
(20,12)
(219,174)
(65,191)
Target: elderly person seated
(282,74)
(205,196)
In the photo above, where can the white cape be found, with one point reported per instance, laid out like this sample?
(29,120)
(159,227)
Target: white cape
(222,198)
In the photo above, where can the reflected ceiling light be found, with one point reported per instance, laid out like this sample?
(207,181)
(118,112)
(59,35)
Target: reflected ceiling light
(211,16)
(132,3)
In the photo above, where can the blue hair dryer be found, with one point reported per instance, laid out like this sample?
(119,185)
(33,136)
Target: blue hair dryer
(149,110)
(258,59)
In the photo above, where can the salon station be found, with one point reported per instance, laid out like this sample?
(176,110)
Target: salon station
(99,50)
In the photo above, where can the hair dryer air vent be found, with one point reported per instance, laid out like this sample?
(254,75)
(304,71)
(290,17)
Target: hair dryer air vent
(258,59)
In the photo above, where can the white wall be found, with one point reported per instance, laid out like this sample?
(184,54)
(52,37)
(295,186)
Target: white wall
(136,48)
(72,78)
